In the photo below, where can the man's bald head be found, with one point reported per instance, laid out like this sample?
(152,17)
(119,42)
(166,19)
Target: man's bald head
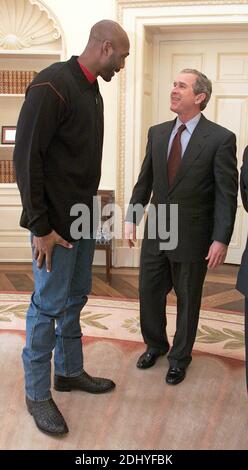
(108,30)
(107,49)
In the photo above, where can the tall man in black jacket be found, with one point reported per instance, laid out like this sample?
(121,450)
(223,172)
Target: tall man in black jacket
(58,157)
(190,162)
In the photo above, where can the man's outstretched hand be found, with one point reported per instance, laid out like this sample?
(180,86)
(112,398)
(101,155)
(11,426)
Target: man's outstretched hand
(216,254)
(130,233)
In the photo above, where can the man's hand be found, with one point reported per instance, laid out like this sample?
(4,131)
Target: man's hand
(216,254)
(130,233)
(43,248)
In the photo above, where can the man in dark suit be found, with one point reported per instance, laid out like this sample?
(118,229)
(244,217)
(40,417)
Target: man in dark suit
(189,162)
(242,281)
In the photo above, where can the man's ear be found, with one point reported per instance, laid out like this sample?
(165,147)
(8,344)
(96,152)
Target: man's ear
(200,98)
(107,48)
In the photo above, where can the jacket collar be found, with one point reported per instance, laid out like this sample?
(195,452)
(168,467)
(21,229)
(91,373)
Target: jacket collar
(79,76)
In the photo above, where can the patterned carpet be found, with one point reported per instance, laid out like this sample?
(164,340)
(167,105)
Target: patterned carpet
(220,332)
(208,410)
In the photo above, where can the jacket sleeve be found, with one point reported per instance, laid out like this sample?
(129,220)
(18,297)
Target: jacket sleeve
(244,180)
(226,189)
(38,121)
(143,188)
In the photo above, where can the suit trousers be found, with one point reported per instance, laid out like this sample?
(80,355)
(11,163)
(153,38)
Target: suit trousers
(158,275)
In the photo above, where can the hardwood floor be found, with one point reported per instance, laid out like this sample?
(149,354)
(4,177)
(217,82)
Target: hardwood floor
(219,288)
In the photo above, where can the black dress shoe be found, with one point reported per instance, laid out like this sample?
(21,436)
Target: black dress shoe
(149,358)
(175,375)
(83,382)
(47,417)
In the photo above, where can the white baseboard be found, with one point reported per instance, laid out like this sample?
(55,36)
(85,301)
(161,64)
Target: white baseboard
(127,257)
(99,258)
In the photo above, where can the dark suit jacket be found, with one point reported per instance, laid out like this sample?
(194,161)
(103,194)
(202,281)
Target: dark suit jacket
(242,281)
(205,187)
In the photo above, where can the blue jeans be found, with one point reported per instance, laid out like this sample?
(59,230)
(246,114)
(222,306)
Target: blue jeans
(53,318)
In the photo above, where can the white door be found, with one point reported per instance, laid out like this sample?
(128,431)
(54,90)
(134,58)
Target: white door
(223,57)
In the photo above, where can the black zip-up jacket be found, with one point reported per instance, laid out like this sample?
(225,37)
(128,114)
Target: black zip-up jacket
(58,149)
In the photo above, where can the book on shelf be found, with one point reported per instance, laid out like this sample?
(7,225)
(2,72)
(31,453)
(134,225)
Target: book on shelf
(15,81)
(7,171)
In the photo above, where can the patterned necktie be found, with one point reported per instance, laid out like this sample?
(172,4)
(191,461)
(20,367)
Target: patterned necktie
(175,156)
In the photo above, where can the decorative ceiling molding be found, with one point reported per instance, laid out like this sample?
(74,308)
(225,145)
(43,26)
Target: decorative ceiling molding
(26,23)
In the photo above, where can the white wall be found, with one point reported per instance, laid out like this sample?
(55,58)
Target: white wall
(76,18)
